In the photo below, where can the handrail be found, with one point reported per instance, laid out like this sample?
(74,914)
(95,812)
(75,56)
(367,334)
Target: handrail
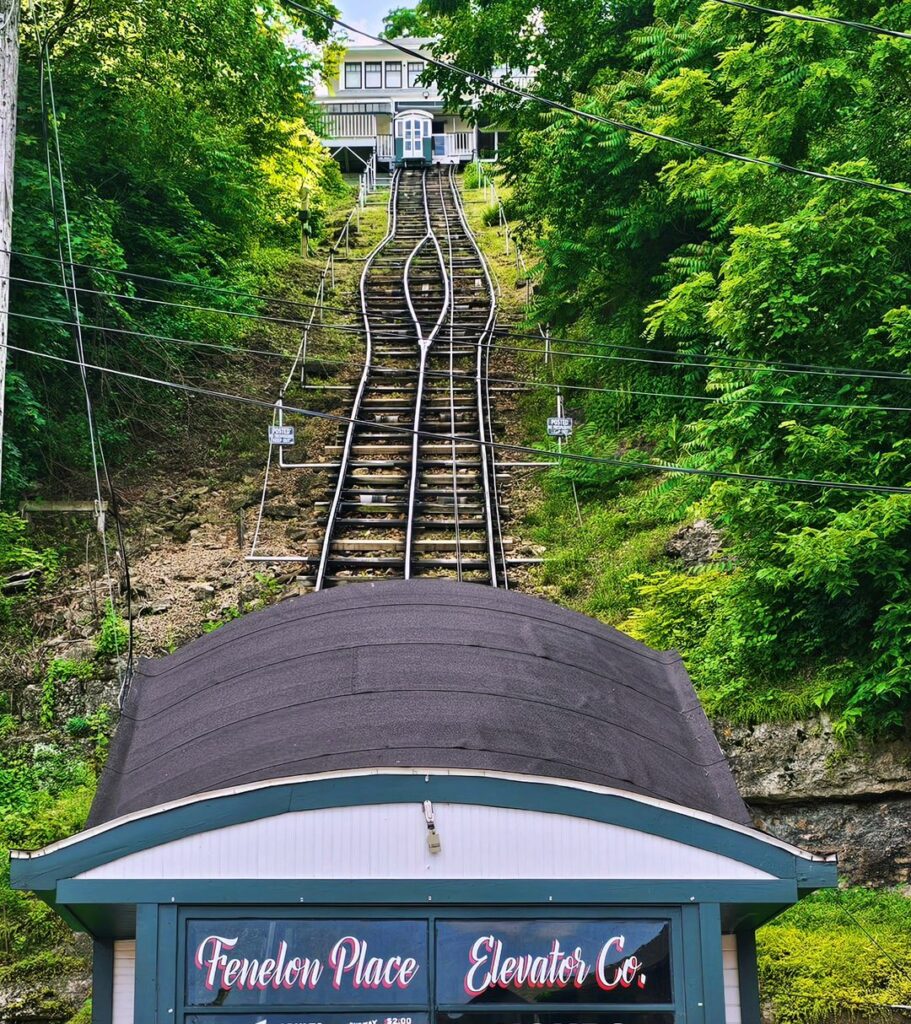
(328,270)
(358,398)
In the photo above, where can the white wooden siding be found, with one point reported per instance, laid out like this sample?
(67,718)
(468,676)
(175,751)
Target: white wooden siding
(124,981)
(389,841)
(731,980)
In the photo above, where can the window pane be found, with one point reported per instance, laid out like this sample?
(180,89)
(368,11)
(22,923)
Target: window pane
(373,75)
(352,76)
(415,70)
(624,961)
(393,74)
(253,962)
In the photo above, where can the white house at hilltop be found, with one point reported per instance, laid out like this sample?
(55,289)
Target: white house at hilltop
(378,106)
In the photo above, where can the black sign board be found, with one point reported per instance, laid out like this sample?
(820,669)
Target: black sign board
(587,962)
(238,962)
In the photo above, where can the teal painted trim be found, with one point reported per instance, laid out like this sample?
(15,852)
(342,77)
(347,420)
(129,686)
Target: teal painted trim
(712,961)
(44,872)
(167,963)
(813,875)
(102,982)
(235,892)
(748,976)
(144,1000)
(691,966)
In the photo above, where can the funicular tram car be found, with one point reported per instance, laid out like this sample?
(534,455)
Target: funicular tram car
(414,139)
(419,802)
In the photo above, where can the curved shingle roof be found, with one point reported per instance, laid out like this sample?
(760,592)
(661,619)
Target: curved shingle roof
(419,674)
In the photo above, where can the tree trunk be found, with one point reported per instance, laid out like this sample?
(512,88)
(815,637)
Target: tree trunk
(9,78)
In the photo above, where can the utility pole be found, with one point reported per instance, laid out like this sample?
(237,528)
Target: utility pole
(9,80)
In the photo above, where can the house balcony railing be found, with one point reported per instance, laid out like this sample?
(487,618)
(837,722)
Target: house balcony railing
(452,145)
(348,126)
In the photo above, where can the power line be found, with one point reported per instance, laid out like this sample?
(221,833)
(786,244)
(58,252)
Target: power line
(283,321)
(493,445)
(329,361)
(818,19)
(762,367)
(491,83)
(787,403)
(873,940)
(782,366)
(229,349)
(69,281)
(756,365)
(172,282)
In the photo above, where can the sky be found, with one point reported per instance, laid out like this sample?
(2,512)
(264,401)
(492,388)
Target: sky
(367,14)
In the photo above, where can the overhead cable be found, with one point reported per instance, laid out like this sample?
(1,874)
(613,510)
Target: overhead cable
(676,358)
(522,94)
(817,19)
(492,445)
(601,389)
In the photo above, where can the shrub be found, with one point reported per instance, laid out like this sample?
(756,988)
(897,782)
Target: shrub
(60,670)
(111,642)
(836,954)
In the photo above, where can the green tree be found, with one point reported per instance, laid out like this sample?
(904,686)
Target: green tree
(405,22)
(729,268)
(185,132)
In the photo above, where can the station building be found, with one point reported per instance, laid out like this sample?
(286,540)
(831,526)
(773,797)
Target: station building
(376,108)
(419,803)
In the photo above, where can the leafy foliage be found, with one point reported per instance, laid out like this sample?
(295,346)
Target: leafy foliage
(402,22)
(45,795)
(111,640)
(61,671)
(701,289)
(185,138)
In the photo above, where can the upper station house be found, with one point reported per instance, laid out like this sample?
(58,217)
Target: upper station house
(377,106)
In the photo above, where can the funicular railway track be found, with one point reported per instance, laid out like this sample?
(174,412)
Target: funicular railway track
(415,494)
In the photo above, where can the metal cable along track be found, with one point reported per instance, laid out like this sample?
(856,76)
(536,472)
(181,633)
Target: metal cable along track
(408,505)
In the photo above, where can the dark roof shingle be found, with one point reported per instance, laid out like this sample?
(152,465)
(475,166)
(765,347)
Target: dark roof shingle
(423,674)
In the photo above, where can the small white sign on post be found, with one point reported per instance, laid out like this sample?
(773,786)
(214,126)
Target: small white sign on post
(560,426)
(283,436)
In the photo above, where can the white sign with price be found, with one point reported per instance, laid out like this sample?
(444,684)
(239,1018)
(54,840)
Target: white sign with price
(283,436)
(560,426)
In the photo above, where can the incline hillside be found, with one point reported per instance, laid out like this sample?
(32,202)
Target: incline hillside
(703,315)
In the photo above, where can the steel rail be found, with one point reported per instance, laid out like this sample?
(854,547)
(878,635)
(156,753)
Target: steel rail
(488,460)
(424,344)
(356,406)
(452,417)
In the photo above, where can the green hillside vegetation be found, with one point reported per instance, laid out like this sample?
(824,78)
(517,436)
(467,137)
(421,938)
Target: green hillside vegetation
(186,138)
(695,292)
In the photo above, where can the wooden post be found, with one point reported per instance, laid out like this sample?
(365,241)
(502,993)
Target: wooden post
(9,80)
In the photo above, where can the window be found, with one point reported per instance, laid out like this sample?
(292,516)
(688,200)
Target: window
(415,70)
(393,74)
(373,74)
(352,75)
